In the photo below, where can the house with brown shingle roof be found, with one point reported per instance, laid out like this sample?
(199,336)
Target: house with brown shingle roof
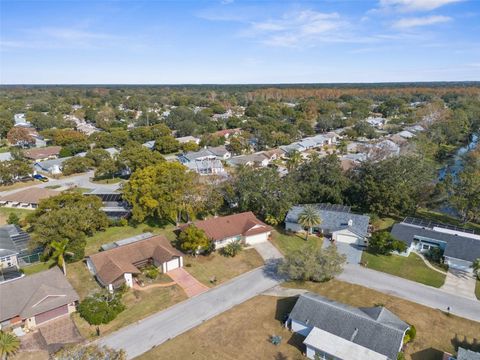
(42,154)
(28,198)
(118,266)
(243,227)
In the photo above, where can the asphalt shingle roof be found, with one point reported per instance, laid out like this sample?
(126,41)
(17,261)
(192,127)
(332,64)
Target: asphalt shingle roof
(378,328)
(458,247)
(34,294)
(334,220)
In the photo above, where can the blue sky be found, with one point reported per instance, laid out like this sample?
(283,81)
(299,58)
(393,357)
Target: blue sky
(171,42)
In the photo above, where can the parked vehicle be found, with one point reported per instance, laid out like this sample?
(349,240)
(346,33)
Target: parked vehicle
(40,178)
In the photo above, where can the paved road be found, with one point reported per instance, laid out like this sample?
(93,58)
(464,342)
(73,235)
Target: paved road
(409,290)
(82,180)
(158,328)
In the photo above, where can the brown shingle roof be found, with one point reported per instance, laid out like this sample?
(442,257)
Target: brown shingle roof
(34,294)
(112,264)
(42,153)
(30,195)
(243,224)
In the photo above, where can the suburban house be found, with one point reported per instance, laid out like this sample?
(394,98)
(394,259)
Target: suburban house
(52,166)
(337,331)
(27,199)
(13,244)
(187,139)
(460,246)
(206,161)
(42,154)
(377,122)
(258,159)
(337,222)
(113,204)
(227,132)
(124,259)
(21,120)
(35,299)
(243,227)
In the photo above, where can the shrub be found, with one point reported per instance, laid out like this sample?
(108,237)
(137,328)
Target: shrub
(13,219)
(384,243)
(410,334)
(435,255)
(232,249)
(101,308)
(151,272)
(401,356)
(123,222)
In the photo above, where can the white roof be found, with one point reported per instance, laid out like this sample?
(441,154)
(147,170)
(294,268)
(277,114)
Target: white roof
(339,347)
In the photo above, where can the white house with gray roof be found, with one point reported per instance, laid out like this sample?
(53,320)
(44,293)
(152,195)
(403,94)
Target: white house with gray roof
(337,222)
(460,246)
(337,331)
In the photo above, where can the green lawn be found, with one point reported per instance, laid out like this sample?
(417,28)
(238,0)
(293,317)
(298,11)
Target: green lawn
(411,268)
(288,242)
(139,305)
(223,268)
(5,212)
(121,232)
(37,267)
(81,279)
(384,223)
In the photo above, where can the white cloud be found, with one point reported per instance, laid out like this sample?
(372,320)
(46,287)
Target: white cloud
(407,23)
(298,28)
(415,5)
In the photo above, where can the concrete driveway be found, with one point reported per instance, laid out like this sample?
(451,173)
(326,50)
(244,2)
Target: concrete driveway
(460,283)
(351,251)
(187,282)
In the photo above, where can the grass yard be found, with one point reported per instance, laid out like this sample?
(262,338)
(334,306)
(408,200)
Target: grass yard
(121,232)
(244,331)
(384,223)
(411,268)
(288,242)
(477,290)
(223,268)
(139,305)
(5,213)
(18,185)
(106,181)
(240,333)
(37,267)
(81,279)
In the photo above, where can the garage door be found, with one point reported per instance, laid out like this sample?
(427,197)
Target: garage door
(52,314)
(172,264)
(255,239)
(347,239)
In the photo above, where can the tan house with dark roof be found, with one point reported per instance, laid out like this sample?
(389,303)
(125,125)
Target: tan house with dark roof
(28,198)
(42,154)
(119,265)
(243,227)
(35,299)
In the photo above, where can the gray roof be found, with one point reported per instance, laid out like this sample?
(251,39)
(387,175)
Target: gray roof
(464,354)
(13,240)
(458,247)
(48,164)
(193,155)
(6,156)
(333,220)
(34,294)
(218,150)
(378,328)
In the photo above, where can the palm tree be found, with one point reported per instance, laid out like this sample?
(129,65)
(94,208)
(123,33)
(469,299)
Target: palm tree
(59,253)
(294,159)
(309,218)
(9,344)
